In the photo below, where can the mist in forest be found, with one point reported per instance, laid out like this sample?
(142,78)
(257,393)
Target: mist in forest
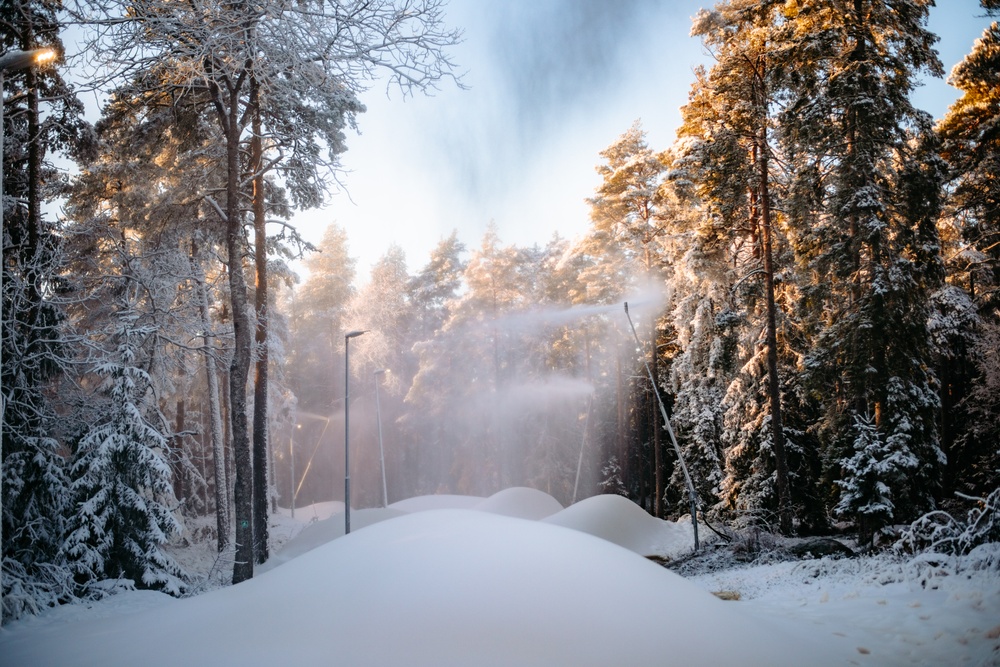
(525,398)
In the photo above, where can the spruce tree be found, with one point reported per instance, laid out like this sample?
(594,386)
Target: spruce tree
(121,483)
(868,477)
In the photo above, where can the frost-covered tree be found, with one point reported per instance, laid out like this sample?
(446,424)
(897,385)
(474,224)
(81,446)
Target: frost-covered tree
(853,136)
(869,474)
(970,310)
(317,323)
(728,154)
(121,483)
(626,211)
(42,117)
(293,72)
(382,306)
(435,286)
(699,376)
(971,146)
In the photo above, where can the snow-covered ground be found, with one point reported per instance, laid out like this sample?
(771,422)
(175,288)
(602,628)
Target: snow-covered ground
(514,579)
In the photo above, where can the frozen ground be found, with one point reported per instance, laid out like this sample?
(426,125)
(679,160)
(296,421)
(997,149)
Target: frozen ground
(516,580)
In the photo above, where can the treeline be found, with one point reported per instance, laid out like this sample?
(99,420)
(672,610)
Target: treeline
(829,259)
(823,260)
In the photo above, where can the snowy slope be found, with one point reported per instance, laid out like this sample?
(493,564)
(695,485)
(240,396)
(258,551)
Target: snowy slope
(422,585)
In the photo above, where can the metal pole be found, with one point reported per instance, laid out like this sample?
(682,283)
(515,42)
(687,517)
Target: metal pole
(347,428)
(692,496)
(583,445)
(291,462)
(381,451)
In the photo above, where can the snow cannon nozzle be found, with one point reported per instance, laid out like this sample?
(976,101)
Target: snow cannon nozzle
(626,307)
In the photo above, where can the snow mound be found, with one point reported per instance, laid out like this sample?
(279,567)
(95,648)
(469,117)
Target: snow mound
(442,501)
(520,502)
(438,588)
(619,520)
(315,512)
(318,533)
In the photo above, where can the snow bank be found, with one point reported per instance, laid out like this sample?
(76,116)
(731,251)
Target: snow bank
(442,501)
(316,511)
(877,606)
(319,533)
(520,502)
(619,520)
(436,588)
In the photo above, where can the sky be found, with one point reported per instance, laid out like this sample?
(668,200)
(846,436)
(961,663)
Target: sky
(515,579)
(549,85)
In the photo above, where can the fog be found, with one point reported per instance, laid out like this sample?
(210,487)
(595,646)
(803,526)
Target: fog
(527,398)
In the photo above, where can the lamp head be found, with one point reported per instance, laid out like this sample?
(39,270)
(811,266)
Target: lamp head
(16,59)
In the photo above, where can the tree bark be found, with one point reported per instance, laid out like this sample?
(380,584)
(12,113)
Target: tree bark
(222,523)
(771,337)
(260,426)
(178,444)
(239,368)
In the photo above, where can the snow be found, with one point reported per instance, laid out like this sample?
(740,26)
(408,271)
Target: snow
(619,520)
(456,580)
(520,502)
(877,607)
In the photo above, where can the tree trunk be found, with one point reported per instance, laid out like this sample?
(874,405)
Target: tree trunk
(177,455)
(260,426)
(239,368)
(773,384)
(222,523)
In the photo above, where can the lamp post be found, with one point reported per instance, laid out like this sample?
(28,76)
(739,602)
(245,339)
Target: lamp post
(10,62)
(381,452)
(347,427)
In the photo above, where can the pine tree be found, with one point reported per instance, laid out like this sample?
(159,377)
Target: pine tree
(865,241)
(729,125)
(121,483)
(317,324)
(626,212)
(971,145)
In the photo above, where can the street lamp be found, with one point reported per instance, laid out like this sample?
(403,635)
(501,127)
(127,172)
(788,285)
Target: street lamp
(10,62)
(381,452)
(347,427)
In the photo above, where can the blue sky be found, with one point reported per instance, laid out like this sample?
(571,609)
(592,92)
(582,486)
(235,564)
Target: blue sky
(550,83)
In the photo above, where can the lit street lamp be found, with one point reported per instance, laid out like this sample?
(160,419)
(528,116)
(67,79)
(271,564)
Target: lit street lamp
(381,452)
(347,427)
(10,62)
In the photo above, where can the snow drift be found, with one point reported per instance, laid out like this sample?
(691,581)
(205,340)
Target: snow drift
(445,587)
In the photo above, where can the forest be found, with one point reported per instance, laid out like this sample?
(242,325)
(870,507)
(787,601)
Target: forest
(812,273)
